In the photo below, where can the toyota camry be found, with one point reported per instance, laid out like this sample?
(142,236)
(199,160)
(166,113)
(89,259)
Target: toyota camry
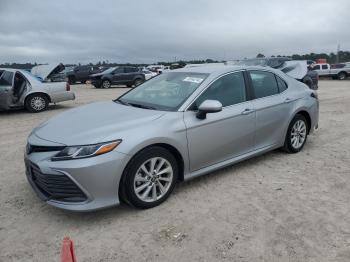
(177,126)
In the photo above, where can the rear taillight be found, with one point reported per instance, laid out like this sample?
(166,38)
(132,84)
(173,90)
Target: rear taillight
(67,86)
(314,95)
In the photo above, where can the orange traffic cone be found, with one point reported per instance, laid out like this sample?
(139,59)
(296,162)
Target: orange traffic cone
(67,251)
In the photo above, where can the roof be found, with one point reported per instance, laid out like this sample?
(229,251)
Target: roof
(220,69)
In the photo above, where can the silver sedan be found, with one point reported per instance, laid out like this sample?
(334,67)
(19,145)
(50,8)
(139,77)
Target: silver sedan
(19,88)
(174,127)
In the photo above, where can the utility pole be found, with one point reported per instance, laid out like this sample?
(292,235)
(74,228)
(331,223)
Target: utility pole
(338,49)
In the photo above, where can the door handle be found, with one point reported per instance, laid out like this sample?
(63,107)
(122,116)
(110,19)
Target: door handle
(247,111)
(288,100)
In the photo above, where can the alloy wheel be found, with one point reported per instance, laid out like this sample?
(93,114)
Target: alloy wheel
(38,103)
(106,84)
(153,179)
(298,134)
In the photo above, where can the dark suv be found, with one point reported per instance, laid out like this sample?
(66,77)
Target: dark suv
(121,75)
(81,73)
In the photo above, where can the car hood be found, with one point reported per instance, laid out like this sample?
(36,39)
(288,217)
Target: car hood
(295,69)
(90,124)
(44,71)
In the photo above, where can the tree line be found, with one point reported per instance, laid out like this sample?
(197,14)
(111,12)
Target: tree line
(343,56)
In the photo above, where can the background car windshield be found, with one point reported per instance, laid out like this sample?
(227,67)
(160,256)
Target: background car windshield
(109,70)
(165,92)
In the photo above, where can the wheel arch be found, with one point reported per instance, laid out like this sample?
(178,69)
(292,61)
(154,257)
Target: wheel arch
(37,92)
(173,150)
(307,116)
(343,72)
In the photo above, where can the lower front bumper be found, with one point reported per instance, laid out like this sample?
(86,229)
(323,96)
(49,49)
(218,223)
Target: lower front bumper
(97,177)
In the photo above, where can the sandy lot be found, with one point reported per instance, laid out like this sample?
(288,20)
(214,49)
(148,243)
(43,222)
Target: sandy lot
(276,207)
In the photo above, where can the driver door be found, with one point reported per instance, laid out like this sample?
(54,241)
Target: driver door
(226,134)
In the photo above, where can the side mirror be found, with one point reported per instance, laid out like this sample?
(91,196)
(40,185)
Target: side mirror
(208,106)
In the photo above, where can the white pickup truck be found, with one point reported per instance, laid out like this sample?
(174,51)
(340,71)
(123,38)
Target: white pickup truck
(338,71)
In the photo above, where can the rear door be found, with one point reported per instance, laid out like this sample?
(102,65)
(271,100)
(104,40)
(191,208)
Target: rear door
(6,95)
(118,75)
(272,105)
(226,134)
(130,74)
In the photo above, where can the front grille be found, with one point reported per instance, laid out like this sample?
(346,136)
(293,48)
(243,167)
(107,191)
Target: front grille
(56,187)
(36,149)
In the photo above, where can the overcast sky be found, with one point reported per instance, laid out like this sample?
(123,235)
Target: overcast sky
(159,30)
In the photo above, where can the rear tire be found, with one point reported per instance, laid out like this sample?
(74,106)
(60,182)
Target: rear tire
(342,76)
(138,82)
(36,103)
(149,178)
(296,135)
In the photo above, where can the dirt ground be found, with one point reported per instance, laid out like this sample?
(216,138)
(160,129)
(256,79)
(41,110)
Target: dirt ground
(276,207)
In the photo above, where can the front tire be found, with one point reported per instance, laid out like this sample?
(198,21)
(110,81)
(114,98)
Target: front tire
(296,135)
(149,178)
(106,83)
(36,103)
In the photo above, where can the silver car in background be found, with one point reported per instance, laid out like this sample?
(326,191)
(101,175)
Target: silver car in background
(19,88)
(174,127)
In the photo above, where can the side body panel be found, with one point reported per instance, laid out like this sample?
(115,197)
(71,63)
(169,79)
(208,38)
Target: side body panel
(220,136)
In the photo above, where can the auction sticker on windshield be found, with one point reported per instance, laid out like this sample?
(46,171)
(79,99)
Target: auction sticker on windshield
(196,80)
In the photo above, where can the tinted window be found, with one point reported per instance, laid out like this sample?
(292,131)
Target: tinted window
(324,66)
(317,67)
(229,90)
(6,79)
(281,84)
(264,84)
(130,69)
(119,70)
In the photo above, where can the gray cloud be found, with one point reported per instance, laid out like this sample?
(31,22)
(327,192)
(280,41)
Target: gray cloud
(149,31)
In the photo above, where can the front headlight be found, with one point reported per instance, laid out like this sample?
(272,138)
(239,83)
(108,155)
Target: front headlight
(77,152)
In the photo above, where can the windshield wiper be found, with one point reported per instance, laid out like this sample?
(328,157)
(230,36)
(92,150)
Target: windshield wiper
(133,104)
(141,106)
(122,102)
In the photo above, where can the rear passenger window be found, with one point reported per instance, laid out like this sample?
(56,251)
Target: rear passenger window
(6,79)
(228,90)
(281,84)
(324,67)
(264,84)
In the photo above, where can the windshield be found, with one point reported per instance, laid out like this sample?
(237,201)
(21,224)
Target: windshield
(252,62)
(165,92)
(109,70)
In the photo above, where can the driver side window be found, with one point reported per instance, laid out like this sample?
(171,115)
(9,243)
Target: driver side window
(228,90)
